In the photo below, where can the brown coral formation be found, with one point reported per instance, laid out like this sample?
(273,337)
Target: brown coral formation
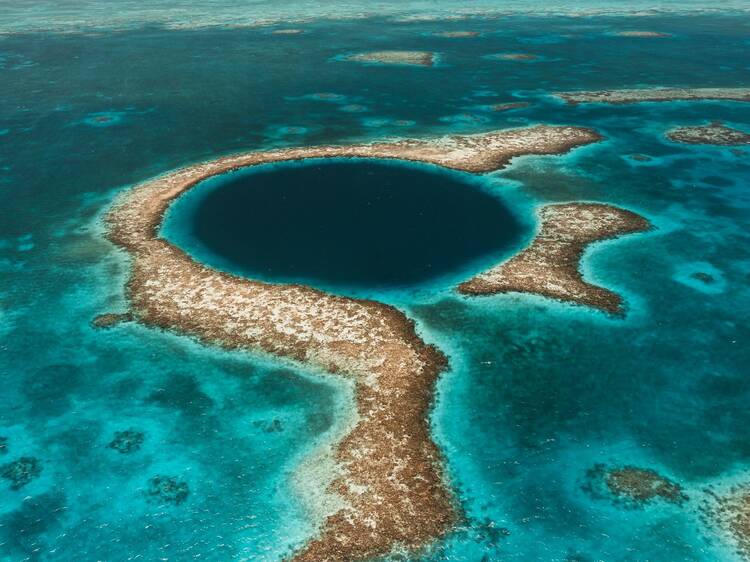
(731,513)
(655,94)
(550,265)
(456,34)
(389,483)
(413,58)
(715,133)
(111,319)
(653,34)
(642,485)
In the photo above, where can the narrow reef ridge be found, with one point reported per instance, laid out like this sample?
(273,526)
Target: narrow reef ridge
(715,133)
(550,265)
(513,56)
(413,58)
(456,34)
(617,97)
(654,34)
(389,484)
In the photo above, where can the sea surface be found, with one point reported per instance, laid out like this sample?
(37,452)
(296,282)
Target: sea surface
(149,446)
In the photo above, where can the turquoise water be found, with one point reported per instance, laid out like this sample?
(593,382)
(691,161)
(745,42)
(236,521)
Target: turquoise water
(538,393)
(368,226)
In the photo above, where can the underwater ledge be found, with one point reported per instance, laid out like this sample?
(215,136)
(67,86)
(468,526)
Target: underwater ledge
(389,470)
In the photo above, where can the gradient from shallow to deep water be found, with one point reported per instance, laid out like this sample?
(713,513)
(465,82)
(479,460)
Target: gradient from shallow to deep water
(368,226)
(538,393)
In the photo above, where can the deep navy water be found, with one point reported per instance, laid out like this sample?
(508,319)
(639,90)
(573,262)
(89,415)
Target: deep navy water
(538,392)
(345,226)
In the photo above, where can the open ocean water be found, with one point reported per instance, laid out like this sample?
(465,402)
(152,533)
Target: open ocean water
(148,446)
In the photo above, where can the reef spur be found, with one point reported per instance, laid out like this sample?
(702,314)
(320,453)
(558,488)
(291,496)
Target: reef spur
(389,481)
(549,266)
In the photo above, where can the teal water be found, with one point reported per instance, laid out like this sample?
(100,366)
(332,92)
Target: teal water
(368,226)
(538,393)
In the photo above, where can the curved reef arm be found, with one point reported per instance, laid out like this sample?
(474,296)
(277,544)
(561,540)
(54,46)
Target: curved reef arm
(389,484)
(550,265)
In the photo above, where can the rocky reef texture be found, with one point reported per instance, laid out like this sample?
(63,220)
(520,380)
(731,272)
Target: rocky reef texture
(128,441)
(111,319)
(654,34)
(655,94)
(642,485)
(20,472)
(550,265)
(730,512)
(715,133)
(168,490)
(414,58)
(456,34)
(388,487)
(632,486)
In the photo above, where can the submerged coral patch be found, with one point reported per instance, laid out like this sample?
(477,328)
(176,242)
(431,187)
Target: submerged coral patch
(701,276)
(127,441)
(167,489)
(21,472)
(524,57)
(111,319)
(104,118)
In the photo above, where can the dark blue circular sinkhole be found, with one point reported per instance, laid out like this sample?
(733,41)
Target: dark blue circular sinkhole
(343,223)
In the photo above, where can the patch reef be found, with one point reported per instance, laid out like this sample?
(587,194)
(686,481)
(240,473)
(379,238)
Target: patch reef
(715,133)
(413,58)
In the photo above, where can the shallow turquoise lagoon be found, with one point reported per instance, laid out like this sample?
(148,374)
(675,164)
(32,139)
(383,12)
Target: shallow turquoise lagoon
(538,392)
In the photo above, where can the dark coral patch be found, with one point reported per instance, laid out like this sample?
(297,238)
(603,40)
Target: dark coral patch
(20,472)
(110,319)
(632,486)
(706,278)
(269,426)
(128,441)
(168,489)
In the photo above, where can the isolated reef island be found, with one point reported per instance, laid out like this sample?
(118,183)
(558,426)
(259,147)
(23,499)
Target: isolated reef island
(716,133)
(389,485)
